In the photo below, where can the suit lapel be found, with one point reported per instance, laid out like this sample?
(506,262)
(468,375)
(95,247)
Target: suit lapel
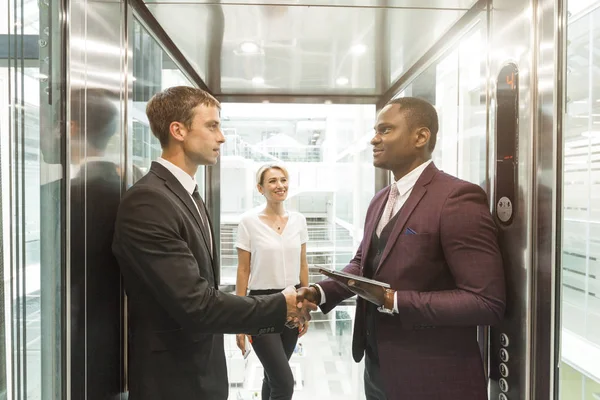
(177,188)
(407,209)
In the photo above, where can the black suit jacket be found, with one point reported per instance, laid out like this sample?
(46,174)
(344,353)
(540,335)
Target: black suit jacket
(96,295)
(177,314)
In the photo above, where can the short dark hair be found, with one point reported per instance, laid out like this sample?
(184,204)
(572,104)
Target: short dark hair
(175,104)
(420,113)
(100,118)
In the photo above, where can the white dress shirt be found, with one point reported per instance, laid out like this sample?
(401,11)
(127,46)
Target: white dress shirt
(274,258)
(405,186)
(189,184)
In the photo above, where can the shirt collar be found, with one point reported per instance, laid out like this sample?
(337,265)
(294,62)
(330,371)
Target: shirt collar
(407,182)
(188,183)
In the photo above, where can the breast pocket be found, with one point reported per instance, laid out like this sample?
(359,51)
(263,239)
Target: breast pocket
(416,252)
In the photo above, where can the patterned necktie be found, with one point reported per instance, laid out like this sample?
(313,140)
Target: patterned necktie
(388,213)
(203,216)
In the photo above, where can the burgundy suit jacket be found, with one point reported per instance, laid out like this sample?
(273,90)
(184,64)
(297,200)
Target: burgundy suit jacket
(450,279)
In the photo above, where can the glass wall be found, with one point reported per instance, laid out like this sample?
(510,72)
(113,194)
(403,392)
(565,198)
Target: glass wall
(579,372)
(33,190)
(326,150)
(455,85)
(153,70)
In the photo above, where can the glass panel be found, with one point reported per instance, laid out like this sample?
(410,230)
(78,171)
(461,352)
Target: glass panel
(153,71)
(283,49)
(327,153)
(579,372)
(31,154)
(455,84)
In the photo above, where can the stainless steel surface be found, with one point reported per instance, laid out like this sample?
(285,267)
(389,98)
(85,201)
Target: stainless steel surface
(550,46)
(512,40)
(212,194)
(284,51)
(301,99)
(98,90)
(458,29)
(157,29)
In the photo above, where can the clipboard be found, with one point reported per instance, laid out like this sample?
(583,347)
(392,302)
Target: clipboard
(343,277)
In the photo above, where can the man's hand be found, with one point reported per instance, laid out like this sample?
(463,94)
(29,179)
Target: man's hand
(309,293)
(298,310)
(373,293)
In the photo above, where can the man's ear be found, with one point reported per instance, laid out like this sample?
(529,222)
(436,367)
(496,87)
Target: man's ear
(177,131)
(423,136)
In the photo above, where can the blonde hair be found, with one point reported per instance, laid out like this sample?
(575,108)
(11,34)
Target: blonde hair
(260,175)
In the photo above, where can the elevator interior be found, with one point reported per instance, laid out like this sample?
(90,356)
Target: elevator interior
(494,69)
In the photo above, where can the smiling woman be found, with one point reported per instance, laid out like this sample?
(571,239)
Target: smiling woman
(271,256)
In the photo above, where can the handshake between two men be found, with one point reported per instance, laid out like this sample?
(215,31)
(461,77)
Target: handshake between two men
(306,299)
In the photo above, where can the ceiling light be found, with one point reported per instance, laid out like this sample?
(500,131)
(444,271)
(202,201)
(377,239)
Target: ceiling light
(358,49)
(327,101)
(342,80)
(258,80)
(249,47)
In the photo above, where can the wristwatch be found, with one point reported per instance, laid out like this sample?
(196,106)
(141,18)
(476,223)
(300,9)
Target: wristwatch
(389,298)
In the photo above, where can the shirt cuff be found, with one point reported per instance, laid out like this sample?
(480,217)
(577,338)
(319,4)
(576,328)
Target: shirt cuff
(396,303)
(322,293)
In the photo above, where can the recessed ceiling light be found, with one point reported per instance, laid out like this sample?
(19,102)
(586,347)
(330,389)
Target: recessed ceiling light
(258,80)
(249,47)
(327,101)
(265,101)
(358,49)
(342,80)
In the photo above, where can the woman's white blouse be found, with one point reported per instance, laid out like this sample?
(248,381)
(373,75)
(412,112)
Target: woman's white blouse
(274,258)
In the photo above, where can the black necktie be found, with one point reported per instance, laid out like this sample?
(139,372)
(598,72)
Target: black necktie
(203,216)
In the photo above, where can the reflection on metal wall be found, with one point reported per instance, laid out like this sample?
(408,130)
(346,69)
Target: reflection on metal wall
(523,67)
(511,39)
(96,174)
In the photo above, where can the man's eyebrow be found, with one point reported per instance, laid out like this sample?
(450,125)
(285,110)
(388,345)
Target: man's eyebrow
(213,121)
(382,124)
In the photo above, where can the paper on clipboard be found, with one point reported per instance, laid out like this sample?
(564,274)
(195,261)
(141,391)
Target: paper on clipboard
(344,277)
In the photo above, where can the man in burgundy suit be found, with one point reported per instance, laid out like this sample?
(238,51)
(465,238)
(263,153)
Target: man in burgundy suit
(431,237)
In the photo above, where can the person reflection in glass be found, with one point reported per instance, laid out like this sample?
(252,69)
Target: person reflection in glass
(271,247)
(96,296)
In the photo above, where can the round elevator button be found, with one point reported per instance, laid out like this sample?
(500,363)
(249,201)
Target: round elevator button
(504,370)
(504,355)
(502,396)
(504,340)
(503,385)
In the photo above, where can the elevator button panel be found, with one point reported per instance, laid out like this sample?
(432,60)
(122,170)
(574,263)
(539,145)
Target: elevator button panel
(504,370)
(503,385)
(504,340)
(507,124)
(504,355)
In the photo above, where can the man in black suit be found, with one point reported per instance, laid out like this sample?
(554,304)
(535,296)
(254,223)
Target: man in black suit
(166,250)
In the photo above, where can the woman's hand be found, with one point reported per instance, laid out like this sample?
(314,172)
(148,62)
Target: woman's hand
(240,339)
(302,329)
